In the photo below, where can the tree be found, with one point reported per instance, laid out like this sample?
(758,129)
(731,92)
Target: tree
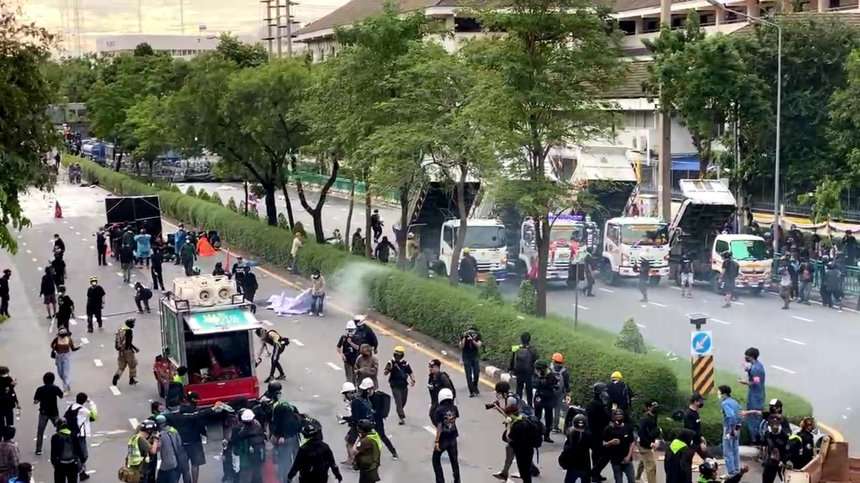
(72,78)
(554,61)
(149,130)
(845,123)
(241,54)
(25,130)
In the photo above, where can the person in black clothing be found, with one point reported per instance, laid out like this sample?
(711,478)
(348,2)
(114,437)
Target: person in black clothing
(101,247)
(545,384)
(48,292)
(523,358)
(685,267)
(468,268)
(597,412)
(59,268)
(47,397)
(95,303)
(66,453)
(644,269)
(383,250)
(376,401)
(376,227)
(142,294)
(649,440)
(65,308)
(400,377)
(59,245)
(519,439)
(8,398)
(126,260)
(620,394)
(776,442)
(364,334)
(692,419)
(314,459)
(708,473)
(436,381)
(730,273)
(446,436)
(678,461)
(249,284)
(359,409)
(238,273)
(589,265)
(115,236)
(4,292)
(619,441)
(575,458)
(802,444)
(155,271)
(190,423)
(218,270)
(470,346)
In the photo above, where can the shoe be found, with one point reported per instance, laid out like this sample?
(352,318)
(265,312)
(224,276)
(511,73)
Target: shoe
(101,327)
(394,456)
(140,311)
(321,315)
(84,477)
(402,422)
(268,380)
(114,380)
(132,382)
(49,317)
(281,377)
(727,306)
(90,330)
(547,439)
(38,452)
(148,312)
(500,476)
(472,394)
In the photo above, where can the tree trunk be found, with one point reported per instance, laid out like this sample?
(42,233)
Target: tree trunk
(316,211)
(368,249)
(347,236)
(271,207)
(288,203)
(151,168)
(245,185)
(542,243)
(454,273)
(404,227)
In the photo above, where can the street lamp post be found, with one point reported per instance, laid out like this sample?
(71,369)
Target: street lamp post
(778,28)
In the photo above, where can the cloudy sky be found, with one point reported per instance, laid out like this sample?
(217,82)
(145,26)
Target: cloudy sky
(112,17)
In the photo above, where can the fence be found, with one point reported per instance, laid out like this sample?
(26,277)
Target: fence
(341,184)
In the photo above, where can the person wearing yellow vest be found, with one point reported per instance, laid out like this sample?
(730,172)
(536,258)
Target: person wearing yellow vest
(142,448)
(678,461)
(708,473)
(368,450)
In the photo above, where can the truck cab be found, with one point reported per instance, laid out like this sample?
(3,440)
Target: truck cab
(750,252)
(487,242)
(567,234)
(627,240)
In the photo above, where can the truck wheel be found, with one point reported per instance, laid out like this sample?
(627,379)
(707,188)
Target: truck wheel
(439,269)
(609,277)
(654,280)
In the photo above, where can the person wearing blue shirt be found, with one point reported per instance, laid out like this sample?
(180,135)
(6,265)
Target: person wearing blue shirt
(179,241)
(731,430)
(755,392)
(144,247)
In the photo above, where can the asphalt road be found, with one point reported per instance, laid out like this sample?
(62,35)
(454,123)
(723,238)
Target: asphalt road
(804,349)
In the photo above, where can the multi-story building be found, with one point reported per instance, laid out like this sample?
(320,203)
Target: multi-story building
(184,46)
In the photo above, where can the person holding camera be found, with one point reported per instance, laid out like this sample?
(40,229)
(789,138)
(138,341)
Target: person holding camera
(470,346)
(142,449)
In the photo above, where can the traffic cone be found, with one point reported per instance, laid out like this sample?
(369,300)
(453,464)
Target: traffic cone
(269,473)
(58,211)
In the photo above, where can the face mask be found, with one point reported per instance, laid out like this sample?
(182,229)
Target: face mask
(722,396)
(94,283)
(315,277)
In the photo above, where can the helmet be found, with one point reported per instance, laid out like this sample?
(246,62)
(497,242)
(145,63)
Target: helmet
(399,350)
(274,388)
(195,270)
(558,358)
(161,421)
(94,279)
(365,426)
(366,383)
(130,320)
(311,428)
(61,423)
(580,421)
(616,375)
(617,412)
(62,331)
(358,319)
(147,425)
(347,387)
(541,366)
(598,389)
(246,415)
(446,394)
(775,405)
(708,468)
(410,235)
(350,325)
(466,250)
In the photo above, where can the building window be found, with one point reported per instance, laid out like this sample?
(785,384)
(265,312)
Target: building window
(651,25)
(627,26)
(707,18)
(466,24)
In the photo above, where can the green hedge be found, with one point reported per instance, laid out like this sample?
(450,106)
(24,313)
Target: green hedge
(435,308)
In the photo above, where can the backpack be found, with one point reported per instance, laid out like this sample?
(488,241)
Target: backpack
(256,449)
(291,422)
(525,409)
(523,360)
(119,339)
(67,451)
(559,376)
(450,383)
(71,417)
(381,404)
(533,429)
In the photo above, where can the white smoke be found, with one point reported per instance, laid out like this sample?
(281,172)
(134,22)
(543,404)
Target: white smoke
(351,285)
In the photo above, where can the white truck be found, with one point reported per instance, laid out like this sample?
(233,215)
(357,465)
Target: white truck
(567,234)
(486,241)
(627,240)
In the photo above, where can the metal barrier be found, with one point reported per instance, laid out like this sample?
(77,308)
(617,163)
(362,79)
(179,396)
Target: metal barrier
(851,277)
(340,184)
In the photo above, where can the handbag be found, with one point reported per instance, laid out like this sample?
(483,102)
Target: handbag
(53,354)
(128,475)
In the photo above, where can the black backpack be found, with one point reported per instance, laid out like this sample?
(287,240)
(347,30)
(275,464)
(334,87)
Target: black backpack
(523,360)
(292,421)
(381,404)
(533,430)
(71,417)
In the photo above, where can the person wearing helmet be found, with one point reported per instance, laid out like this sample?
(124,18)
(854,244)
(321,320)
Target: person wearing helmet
(126,352)
(446,436)
(95,303)
(619,442)
(367,365)
(171,453)
(348,348)
(470,347)
(248,445)
(364,334)
(776,445)
(400,377)
(359,408)
(678,461)
(315,458)
(186,256)
(274,344)
(597,412)
(575,458)
(367,452)
(620,394)
(468,268)
(545,387)
(285,429)
(380,405)
(802,444)
(756,396)
(709,473)
(649,441)
(142,449)
(436,381)
(774,407)
(561,390)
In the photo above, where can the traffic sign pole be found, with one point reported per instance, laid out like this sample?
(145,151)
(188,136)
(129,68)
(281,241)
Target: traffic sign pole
(702,356)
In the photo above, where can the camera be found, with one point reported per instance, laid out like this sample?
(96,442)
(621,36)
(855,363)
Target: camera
(492,405)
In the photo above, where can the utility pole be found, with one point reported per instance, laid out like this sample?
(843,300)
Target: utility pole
(267,20)
(182,17)
(289,26)
(664,186)
(139,16)
(78,28)
(278,33)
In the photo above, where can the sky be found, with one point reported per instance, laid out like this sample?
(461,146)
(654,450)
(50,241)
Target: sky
(113,17)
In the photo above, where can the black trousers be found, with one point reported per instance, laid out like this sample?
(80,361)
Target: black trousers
(769,473)
(102,255)
(472,367)
(249,295)
(446,446)
(547,417)
(524,381)
(276,363)
(7,417)
(66,473)
(138,301)
(4,305)
(523,458)
(157,278)
(94,313)
(379,426)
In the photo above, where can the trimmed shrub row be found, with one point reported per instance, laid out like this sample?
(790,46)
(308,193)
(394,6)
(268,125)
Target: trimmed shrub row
(430,306)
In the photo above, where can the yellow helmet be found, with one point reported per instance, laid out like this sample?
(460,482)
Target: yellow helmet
(616,375)
(94,279)
(466,250)
(399,349)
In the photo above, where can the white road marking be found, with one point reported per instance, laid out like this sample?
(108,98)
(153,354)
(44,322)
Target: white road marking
(793,341)
(721,322)
(780,368)
(29,251)
(23,243)
(801,318)
(84,340)
(334,366)
(641,326)
(583,307)
(430,429)
(35,260)
(115,391)
(119,274)
(658,304)
(72,321)
(606,290)
(98,362)
(268,323)
(77,232)
(738,303)
(297,342)
(134,423)
(675,288)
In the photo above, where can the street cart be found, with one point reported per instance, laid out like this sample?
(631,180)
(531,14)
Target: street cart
(208,328)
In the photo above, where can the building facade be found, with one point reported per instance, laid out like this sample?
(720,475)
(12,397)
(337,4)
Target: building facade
(180,46)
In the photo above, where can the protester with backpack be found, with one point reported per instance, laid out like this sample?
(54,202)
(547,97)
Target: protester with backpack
(562,389)
(126,352)
(284,430)
(446,436)
(248,448)
(620,394)
(66,454)
(575,458)
(78,417)
(524,435)
(359,409)
(523,358)
(275,344)
(547,382)
(504,399)
(381,405)
(620,442)
(436,381)
(315,458)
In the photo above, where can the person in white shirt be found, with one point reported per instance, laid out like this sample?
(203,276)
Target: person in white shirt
(79,415)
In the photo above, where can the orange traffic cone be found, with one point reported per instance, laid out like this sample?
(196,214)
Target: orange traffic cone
(58,211)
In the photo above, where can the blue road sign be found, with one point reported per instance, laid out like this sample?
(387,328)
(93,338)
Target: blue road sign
(701,343)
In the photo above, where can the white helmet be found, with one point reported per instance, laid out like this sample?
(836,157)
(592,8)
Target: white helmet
(246,415)
(347,387)
(358,319)
(350,325)
(446,394)
(366,383)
